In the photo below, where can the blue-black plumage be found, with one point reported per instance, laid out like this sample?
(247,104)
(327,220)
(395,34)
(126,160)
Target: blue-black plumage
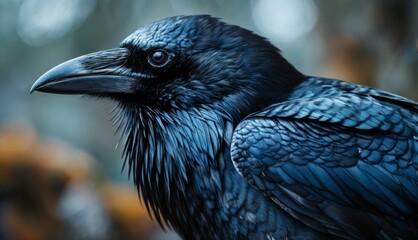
(227,140)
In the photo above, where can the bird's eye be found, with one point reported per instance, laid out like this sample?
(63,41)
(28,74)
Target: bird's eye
(158,58)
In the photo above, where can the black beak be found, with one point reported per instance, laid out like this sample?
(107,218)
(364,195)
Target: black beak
(99,72)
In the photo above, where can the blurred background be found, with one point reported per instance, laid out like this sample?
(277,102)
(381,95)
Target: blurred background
(60,174)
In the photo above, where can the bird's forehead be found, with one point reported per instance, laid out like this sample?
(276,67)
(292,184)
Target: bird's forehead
(176,34)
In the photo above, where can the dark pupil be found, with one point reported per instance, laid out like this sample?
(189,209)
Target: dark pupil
(159,57)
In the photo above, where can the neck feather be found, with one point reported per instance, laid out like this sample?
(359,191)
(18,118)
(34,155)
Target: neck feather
(165,151)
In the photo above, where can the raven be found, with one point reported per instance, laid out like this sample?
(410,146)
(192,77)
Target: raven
(227,140)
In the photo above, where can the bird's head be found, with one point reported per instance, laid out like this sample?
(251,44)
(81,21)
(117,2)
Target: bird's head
(178,63)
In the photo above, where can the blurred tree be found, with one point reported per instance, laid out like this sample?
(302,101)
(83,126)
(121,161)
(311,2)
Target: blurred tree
(47,192)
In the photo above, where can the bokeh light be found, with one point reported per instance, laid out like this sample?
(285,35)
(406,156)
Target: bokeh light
(41,21)
(285,20)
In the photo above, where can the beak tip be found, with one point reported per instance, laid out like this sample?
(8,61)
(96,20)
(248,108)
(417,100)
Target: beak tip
(35,86)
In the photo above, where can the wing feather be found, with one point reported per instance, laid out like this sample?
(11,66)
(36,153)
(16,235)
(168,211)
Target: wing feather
(343,162)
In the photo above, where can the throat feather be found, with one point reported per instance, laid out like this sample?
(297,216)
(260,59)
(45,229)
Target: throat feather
(166,152)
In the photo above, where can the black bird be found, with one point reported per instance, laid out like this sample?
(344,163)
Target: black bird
(227,140)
